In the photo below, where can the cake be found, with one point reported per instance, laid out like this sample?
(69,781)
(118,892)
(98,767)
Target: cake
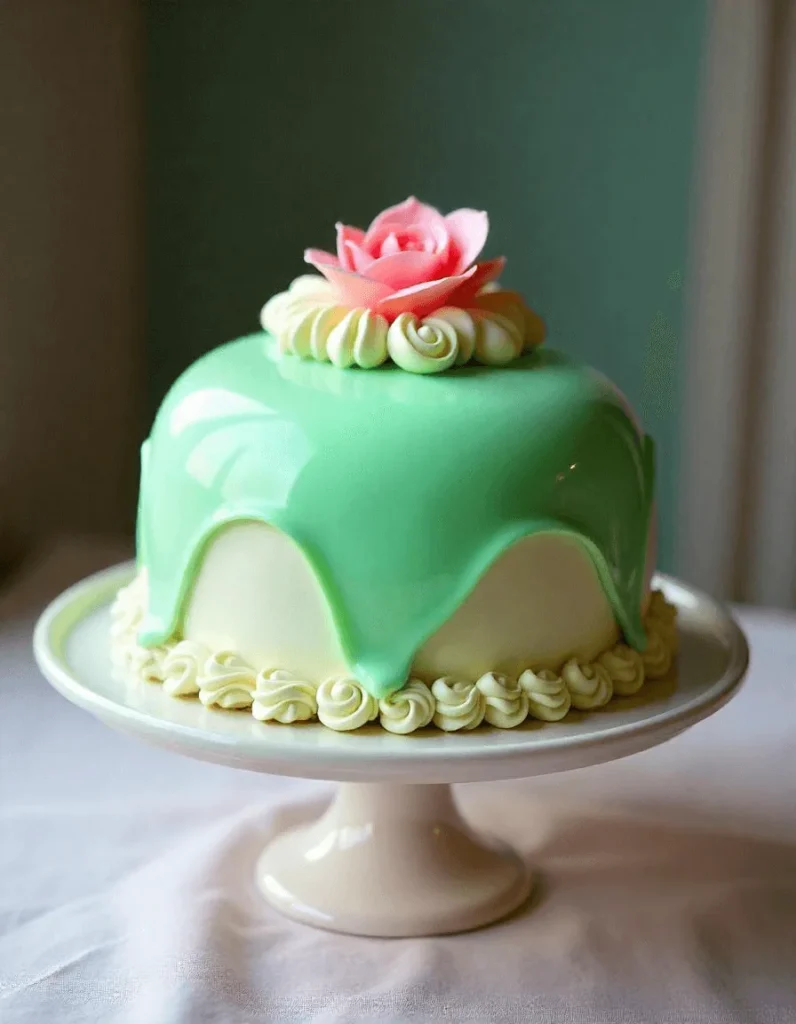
(396,505)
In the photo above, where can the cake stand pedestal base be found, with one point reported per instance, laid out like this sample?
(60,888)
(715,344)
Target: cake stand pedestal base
(392,860)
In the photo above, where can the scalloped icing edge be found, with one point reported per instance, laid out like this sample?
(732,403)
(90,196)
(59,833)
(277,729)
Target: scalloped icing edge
(450,704)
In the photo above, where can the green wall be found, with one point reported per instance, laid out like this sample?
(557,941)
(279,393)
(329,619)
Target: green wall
(572,122)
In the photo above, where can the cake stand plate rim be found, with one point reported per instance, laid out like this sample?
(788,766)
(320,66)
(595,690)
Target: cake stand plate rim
(312,751)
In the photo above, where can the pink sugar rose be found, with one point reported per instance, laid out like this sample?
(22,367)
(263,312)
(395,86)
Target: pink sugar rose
(410,260)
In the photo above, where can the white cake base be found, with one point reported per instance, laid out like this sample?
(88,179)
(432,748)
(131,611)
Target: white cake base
(392,857)
(540,603)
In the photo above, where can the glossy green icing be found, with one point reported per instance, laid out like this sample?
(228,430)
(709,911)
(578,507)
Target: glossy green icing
(400,489)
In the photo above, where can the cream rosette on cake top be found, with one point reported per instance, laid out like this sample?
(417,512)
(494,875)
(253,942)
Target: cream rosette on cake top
(409,290)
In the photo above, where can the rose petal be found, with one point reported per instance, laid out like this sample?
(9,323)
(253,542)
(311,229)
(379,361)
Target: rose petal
(489,270)
(316,256)
(468,230)
(423,298)
(430,237)
(482,273)
(414,238)
(410,213)
(353,289)
(356,259)
(347,234)
(390,245)
(465,294)
(405,269)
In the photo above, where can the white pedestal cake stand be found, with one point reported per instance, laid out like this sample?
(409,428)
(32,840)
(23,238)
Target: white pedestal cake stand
(391,856)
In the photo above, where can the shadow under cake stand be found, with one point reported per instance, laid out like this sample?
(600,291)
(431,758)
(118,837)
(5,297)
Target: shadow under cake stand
(391,856)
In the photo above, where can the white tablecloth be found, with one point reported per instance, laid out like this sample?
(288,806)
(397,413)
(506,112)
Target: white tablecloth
(126,892)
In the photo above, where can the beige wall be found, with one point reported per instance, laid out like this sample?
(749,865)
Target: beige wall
(71,303)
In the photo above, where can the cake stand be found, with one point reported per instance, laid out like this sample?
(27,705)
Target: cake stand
(391,856)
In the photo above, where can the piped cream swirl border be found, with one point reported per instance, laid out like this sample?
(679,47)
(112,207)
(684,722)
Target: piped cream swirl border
(308,321)
(225,680)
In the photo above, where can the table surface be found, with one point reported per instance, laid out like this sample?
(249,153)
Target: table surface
(126,892)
